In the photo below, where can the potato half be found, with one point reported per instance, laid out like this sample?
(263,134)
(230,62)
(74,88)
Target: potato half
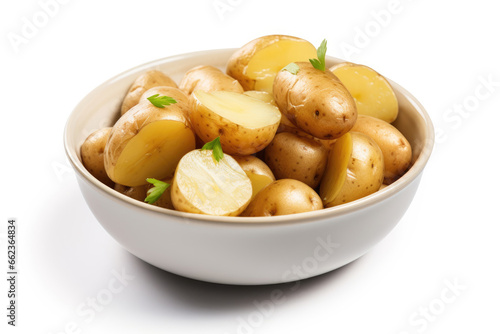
(208,78)
(315,101)
(203,185)
(395,147)
(373,94)
(257,171)
(245,125)
(284,197)
(256,63)
(147,142)
(144,82)
(294,157)
(92,153)
(175,93)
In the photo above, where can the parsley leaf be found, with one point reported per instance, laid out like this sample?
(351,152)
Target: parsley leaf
(161,101)
(292,68)
(216,148)
(155,193)
(320,63)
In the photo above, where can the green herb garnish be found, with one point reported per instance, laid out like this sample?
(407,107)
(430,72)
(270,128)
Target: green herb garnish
(292,68)
(161,101)
(320,63)
(155,193)
(216,148)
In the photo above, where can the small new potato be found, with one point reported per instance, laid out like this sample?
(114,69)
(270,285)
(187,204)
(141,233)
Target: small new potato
(144,82)
(138,193)
(92,153)
(294,157)
(208,79)
(256,63)
(395,147)
(365,170)
(257,171)
(283,197)
(173,92)
(315,101)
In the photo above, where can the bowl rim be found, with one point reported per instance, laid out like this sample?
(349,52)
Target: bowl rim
(344,209)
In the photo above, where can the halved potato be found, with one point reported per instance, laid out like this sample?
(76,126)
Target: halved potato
(147,142)
(144,82)
(261,95)
(203,185)
(371,91)
(256,63)
(257,171)
(208,78)
(245,125)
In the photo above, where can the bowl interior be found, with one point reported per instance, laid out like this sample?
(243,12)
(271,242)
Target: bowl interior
(100,108)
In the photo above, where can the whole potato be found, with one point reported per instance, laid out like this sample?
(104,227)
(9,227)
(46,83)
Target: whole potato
(173,92)
(144,82)
(138,192)
(209,79)
(294,157)
(395,147)
(283,197)
(315,101)
(365,170)
(92,153)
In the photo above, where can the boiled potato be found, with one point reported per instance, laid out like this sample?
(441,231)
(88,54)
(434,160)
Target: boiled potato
(365,171)
(257,171)
(208,78)
(245,125)
(203,185)
(138,193)
(395,147)
(371,91)
(294,157)
(283,197)
(165,200)
(256,63)
(144,82)
(175,93)
(92,153)
(315,101)
(147,142)
(264,96)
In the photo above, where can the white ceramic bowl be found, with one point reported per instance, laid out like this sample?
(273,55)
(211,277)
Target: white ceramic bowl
(237,250)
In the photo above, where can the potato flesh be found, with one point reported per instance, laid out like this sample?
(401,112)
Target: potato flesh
(240,109)
(267,62)
(336,169)
(371,91)
(210,187)
(153,153)
(258,182)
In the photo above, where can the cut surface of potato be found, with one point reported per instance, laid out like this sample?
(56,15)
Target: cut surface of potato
(371,91)
(257,171)
(263,96)
(336,169)
(255,65)
(203,185)
(147,142)
(245,125)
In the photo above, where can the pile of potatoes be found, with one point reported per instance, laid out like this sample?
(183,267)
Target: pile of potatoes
(295,138)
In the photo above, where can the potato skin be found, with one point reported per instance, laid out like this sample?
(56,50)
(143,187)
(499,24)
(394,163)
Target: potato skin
(138,193)
(92,154)
(395,147)
(144,82)
(283,197)
(208,78)
(365,171)
(315,101)
(234,138)
(294,157)
(237,64)
(175,93)
(131,123)
(252,164)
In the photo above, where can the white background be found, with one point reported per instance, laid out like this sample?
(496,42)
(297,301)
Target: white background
(442,52)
